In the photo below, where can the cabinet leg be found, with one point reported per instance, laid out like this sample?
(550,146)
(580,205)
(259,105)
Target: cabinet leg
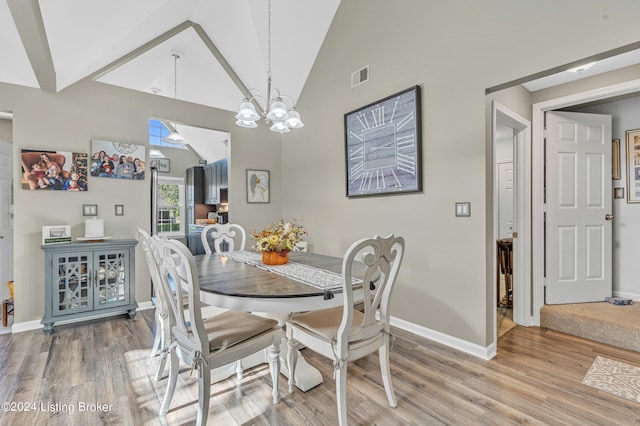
(132,313)
(48,328)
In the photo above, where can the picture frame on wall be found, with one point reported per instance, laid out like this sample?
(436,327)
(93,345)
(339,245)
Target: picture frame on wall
(163,165)
(54,170)
(119,160)
(633,166)
(615,159)
(258,183)
(383,146)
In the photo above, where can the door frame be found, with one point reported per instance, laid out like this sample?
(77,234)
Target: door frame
(537,199)
(521,212)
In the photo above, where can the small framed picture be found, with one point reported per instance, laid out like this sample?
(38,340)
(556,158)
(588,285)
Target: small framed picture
(89,210)
(258,186)
(163,165)
(119,209)
(56,234)
(633,166)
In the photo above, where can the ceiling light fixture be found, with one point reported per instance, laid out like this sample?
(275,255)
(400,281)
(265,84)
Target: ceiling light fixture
(282,120)
(582,68)
(174,136)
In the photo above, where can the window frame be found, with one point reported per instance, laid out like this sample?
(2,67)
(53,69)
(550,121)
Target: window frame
(172,180)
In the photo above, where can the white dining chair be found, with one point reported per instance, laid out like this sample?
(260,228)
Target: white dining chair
(229,233)
(204,345)
(345,333)
(163,332)
(301,246)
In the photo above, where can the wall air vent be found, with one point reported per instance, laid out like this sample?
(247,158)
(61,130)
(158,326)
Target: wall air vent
(360,76)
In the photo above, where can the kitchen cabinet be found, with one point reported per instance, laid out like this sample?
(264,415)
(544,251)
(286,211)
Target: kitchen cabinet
(216,178)
(195,184)
(194,190)
(88,279)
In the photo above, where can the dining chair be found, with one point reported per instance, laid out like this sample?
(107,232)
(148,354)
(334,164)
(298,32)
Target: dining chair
(229,233)
(163,332)
(345,333)
(301,246)
(204,345)
(162,337)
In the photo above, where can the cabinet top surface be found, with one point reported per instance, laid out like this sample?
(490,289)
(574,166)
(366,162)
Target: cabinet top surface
(87,245)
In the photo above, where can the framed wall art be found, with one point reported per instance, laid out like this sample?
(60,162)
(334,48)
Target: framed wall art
(54,170)
(258,186)
(633,166)
(163,165)
(383,146)
(117,160)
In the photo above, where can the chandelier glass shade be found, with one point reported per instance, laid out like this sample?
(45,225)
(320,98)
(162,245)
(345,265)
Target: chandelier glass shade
(281,117)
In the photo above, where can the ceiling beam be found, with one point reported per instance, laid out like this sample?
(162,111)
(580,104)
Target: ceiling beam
(28,19)
(225,64)
(140,50)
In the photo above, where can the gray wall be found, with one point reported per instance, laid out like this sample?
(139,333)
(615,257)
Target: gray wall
(454,50)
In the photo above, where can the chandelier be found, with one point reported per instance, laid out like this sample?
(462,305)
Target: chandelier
(281,118)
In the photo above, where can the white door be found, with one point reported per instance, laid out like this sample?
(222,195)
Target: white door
(578,208)
(6,222)
(505,199)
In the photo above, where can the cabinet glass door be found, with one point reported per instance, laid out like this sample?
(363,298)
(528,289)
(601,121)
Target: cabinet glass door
(112,279)
(72,284)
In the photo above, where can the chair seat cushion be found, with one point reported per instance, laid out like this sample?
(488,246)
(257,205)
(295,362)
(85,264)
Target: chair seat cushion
(325,322)
(232,327)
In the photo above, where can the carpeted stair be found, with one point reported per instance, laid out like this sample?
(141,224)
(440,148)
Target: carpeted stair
(617,325)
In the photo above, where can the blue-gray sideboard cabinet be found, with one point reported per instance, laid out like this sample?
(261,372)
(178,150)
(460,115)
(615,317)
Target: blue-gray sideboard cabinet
(88,279)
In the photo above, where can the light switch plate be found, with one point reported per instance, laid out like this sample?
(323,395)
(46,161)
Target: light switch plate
(463,209)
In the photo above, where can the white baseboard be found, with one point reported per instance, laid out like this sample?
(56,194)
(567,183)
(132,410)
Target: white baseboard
(453,342)
(35,324)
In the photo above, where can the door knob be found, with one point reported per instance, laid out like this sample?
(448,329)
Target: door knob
(609,216)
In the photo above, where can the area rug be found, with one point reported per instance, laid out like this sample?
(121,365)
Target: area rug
(614,377)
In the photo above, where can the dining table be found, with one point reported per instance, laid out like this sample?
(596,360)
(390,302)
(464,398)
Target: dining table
(240,281)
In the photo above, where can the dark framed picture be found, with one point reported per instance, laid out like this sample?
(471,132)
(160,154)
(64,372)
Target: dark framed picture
(633,166)
(163,165)
(258,186)
(119,209)
(383,146)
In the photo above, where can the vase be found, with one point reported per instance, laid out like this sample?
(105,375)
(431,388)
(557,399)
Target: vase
(275,257)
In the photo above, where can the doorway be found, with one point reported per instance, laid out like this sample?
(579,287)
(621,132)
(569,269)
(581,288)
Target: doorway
(511,206)
(538,111)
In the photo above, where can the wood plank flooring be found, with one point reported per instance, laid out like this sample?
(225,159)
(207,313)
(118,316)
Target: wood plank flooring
(100,373)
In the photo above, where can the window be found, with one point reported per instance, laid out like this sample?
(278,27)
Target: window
(157,132)
(170,207)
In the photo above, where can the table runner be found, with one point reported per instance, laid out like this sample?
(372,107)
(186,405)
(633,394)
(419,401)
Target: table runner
(315,277)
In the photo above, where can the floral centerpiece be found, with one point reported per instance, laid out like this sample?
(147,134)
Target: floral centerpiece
(277,240)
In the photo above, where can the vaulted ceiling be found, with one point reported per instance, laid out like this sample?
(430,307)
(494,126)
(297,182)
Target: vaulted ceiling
(52,44)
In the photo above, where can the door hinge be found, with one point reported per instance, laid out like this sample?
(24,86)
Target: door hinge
(514,235)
